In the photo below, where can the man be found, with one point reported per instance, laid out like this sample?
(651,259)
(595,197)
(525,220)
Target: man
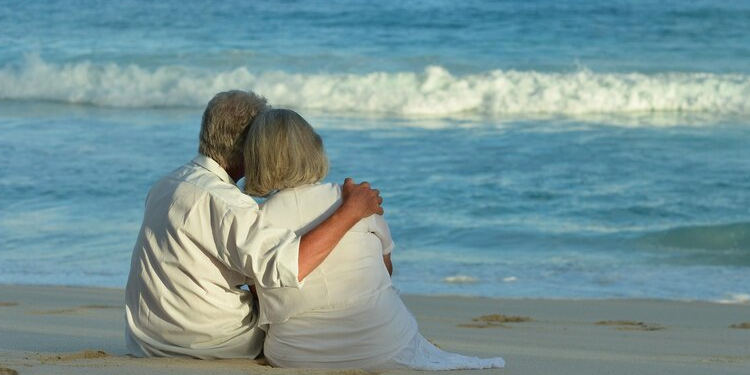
(202,238)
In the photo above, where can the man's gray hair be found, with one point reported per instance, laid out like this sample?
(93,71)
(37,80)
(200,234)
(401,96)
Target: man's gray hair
(282,151)
(224,125)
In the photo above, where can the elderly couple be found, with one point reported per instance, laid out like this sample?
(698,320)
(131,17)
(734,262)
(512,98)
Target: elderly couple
(316,255)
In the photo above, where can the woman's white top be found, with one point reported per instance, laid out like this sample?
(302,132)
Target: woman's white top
(347,313)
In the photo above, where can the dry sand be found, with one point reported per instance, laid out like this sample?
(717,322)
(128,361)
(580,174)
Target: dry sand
(63,330)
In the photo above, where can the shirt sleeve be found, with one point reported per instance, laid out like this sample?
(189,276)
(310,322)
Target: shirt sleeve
(380,228)
(268,254)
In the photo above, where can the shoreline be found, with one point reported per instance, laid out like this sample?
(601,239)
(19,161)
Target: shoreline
(80,330)
(741,301)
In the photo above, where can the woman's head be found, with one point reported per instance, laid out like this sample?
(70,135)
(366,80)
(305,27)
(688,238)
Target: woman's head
(281,151)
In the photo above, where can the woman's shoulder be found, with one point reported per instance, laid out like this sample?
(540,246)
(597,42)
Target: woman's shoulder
(321,189)
(305,198)
(327,187)
(326,191)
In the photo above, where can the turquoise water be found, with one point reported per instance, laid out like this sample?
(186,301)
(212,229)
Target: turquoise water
(546,149)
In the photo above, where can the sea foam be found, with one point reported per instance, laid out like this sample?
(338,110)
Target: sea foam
(460,279)
(432,92)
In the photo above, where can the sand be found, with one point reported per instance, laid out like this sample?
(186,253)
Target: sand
(66,330)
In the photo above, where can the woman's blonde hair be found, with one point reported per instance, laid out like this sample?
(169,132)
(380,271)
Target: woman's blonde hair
(282,151)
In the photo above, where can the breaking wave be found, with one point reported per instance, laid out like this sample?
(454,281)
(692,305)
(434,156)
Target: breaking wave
(432,92)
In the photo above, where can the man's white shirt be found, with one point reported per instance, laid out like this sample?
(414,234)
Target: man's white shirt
(200,240)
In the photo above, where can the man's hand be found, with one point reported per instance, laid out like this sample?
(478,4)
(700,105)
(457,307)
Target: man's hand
(359,200)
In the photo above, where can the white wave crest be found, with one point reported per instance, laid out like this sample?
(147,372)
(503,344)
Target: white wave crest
(433,92)
(460,279)
(736,298)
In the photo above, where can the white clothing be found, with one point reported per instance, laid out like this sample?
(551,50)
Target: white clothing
(347,314)
(202,238)
(421,354)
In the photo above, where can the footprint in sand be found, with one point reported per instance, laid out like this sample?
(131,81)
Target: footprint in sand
(101,307)
(629,325)
(494,320)
(85,354)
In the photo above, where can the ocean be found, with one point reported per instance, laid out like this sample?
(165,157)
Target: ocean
(556,149)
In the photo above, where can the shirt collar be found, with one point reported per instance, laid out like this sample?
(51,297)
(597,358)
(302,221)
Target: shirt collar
(212,166)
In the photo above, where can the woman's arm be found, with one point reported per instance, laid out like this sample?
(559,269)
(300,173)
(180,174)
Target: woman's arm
(379,228)
(388,264)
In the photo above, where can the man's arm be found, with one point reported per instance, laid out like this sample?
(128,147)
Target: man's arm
(359,201)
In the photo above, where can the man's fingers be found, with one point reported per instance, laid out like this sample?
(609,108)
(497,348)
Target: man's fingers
(379,199)
(363,193)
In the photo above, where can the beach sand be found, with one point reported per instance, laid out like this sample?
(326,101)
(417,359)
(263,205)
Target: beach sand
(68,330)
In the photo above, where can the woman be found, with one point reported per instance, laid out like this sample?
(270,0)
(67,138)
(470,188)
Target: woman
(347,313)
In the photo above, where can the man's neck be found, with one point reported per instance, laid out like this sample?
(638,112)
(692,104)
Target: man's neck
(235,173)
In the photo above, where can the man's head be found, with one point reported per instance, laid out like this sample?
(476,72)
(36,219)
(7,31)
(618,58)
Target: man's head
(225,122)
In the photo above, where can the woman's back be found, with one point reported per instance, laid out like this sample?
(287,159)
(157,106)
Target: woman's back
(347,313)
